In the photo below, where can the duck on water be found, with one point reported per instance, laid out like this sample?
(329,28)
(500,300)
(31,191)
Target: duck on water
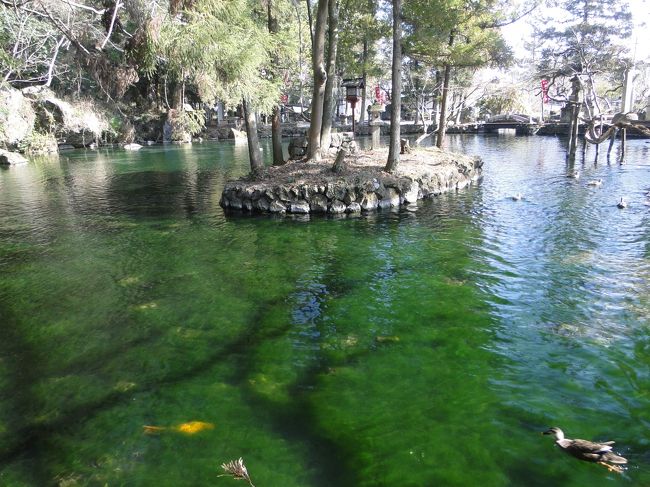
(589,451)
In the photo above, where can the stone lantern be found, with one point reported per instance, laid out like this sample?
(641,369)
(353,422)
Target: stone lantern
(353,87)
(375,122)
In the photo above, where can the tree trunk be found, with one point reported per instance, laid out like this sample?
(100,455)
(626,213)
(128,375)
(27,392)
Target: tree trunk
(364,75)
(442,126)
(396,95)
(257,166)
(320,77)
(311,23)
(328,102)
(276,137)
(177,95)
(276,128)
(435,103)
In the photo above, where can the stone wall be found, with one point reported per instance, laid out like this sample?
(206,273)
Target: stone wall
(353,192)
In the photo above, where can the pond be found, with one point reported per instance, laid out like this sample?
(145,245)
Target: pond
(394,349)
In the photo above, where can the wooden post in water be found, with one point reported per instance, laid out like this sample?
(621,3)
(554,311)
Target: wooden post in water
(626,104)
(575,101)
(623,140)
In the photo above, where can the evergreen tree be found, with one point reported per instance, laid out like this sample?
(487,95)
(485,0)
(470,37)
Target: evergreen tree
(225,48)
(588,42)
(455,34)
(396,93)
(361,29)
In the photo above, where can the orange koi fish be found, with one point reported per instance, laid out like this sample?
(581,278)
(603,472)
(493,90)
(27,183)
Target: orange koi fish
(190,428)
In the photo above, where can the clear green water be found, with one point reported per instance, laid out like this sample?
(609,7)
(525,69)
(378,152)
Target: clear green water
(397,349)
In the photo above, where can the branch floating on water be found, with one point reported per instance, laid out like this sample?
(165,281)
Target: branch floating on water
(237,469)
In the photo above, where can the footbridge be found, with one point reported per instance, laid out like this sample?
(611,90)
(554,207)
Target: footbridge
(522,124)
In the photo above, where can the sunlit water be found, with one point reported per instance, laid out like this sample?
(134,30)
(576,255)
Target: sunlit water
(398,349)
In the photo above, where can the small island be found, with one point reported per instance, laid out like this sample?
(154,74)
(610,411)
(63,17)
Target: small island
(361,184)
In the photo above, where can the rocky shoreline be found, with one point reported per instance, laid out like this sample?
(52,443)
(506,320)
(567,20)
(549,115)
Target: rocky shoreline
(361,186)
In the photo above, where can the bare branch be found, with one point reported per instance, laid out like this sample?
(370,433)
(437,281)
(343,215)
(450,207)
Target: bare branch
(66,32)
(514,19)
(50,70)
(110,30)
(85,7)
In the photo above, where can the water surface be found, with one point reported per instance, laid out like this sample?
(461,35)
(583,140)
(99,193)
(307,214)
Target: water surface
(400,348)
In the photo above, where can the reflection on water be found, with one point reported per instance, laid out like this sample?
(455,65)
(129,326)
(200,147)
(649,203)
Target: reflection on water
(400,348)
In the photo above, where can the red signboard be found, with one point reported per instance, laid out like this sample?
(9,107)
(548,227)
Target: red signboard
(284,99)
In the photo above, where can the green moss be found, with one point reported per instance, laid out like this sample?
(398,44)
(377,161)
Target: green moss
(39,143)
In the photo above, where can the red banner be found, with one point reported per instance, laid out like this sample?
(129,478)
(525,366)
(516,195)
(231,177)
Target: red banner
(545,98)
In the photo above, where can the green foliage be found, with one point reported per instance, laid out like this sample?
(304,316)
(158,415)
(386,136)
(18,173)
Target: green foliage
(456,33)
(185,122)
(506,100)
(38,143)
(225,51)
(590,42)
(115,124)
(589,39)
(360,25)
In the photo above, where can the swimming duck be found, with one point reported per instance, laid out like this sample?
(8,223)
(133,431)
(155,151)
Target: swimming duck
(589,451)
(517,197)
(575,174)
(622,203)
(595,182)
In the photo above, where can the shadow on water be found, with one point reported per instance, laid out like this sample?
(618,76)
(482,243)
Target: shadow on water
(21,373)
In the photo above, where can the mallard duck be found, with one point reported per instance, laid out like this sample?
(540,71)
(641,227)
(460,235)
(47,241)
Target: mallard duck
(589,451)
(595,182)
(517,197)
(575,174)
(622,203)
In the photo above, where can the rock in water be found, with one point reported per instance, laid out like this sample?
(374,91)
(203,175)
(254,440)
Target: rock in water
(11,158)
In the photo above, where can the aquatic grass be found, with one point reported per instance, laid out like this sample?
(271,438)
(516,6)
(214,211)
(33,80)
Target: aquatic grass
(393,349)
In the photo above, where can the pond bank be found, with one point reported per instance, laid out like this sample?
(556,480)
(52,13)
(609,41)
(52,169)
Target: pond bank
(361,185)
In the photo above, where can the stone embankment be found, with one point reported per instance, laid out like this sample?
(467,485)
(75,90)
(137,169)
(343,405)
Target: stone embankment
(362,185)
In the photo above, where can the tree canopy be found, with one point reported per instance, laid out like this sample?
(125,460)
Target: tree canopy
(166,53)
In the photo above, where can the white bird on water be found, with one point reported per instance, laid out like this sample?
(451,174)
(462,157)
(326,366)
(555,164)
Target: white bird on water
(575,174)
(517,197)
(622,203)
(595,182)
